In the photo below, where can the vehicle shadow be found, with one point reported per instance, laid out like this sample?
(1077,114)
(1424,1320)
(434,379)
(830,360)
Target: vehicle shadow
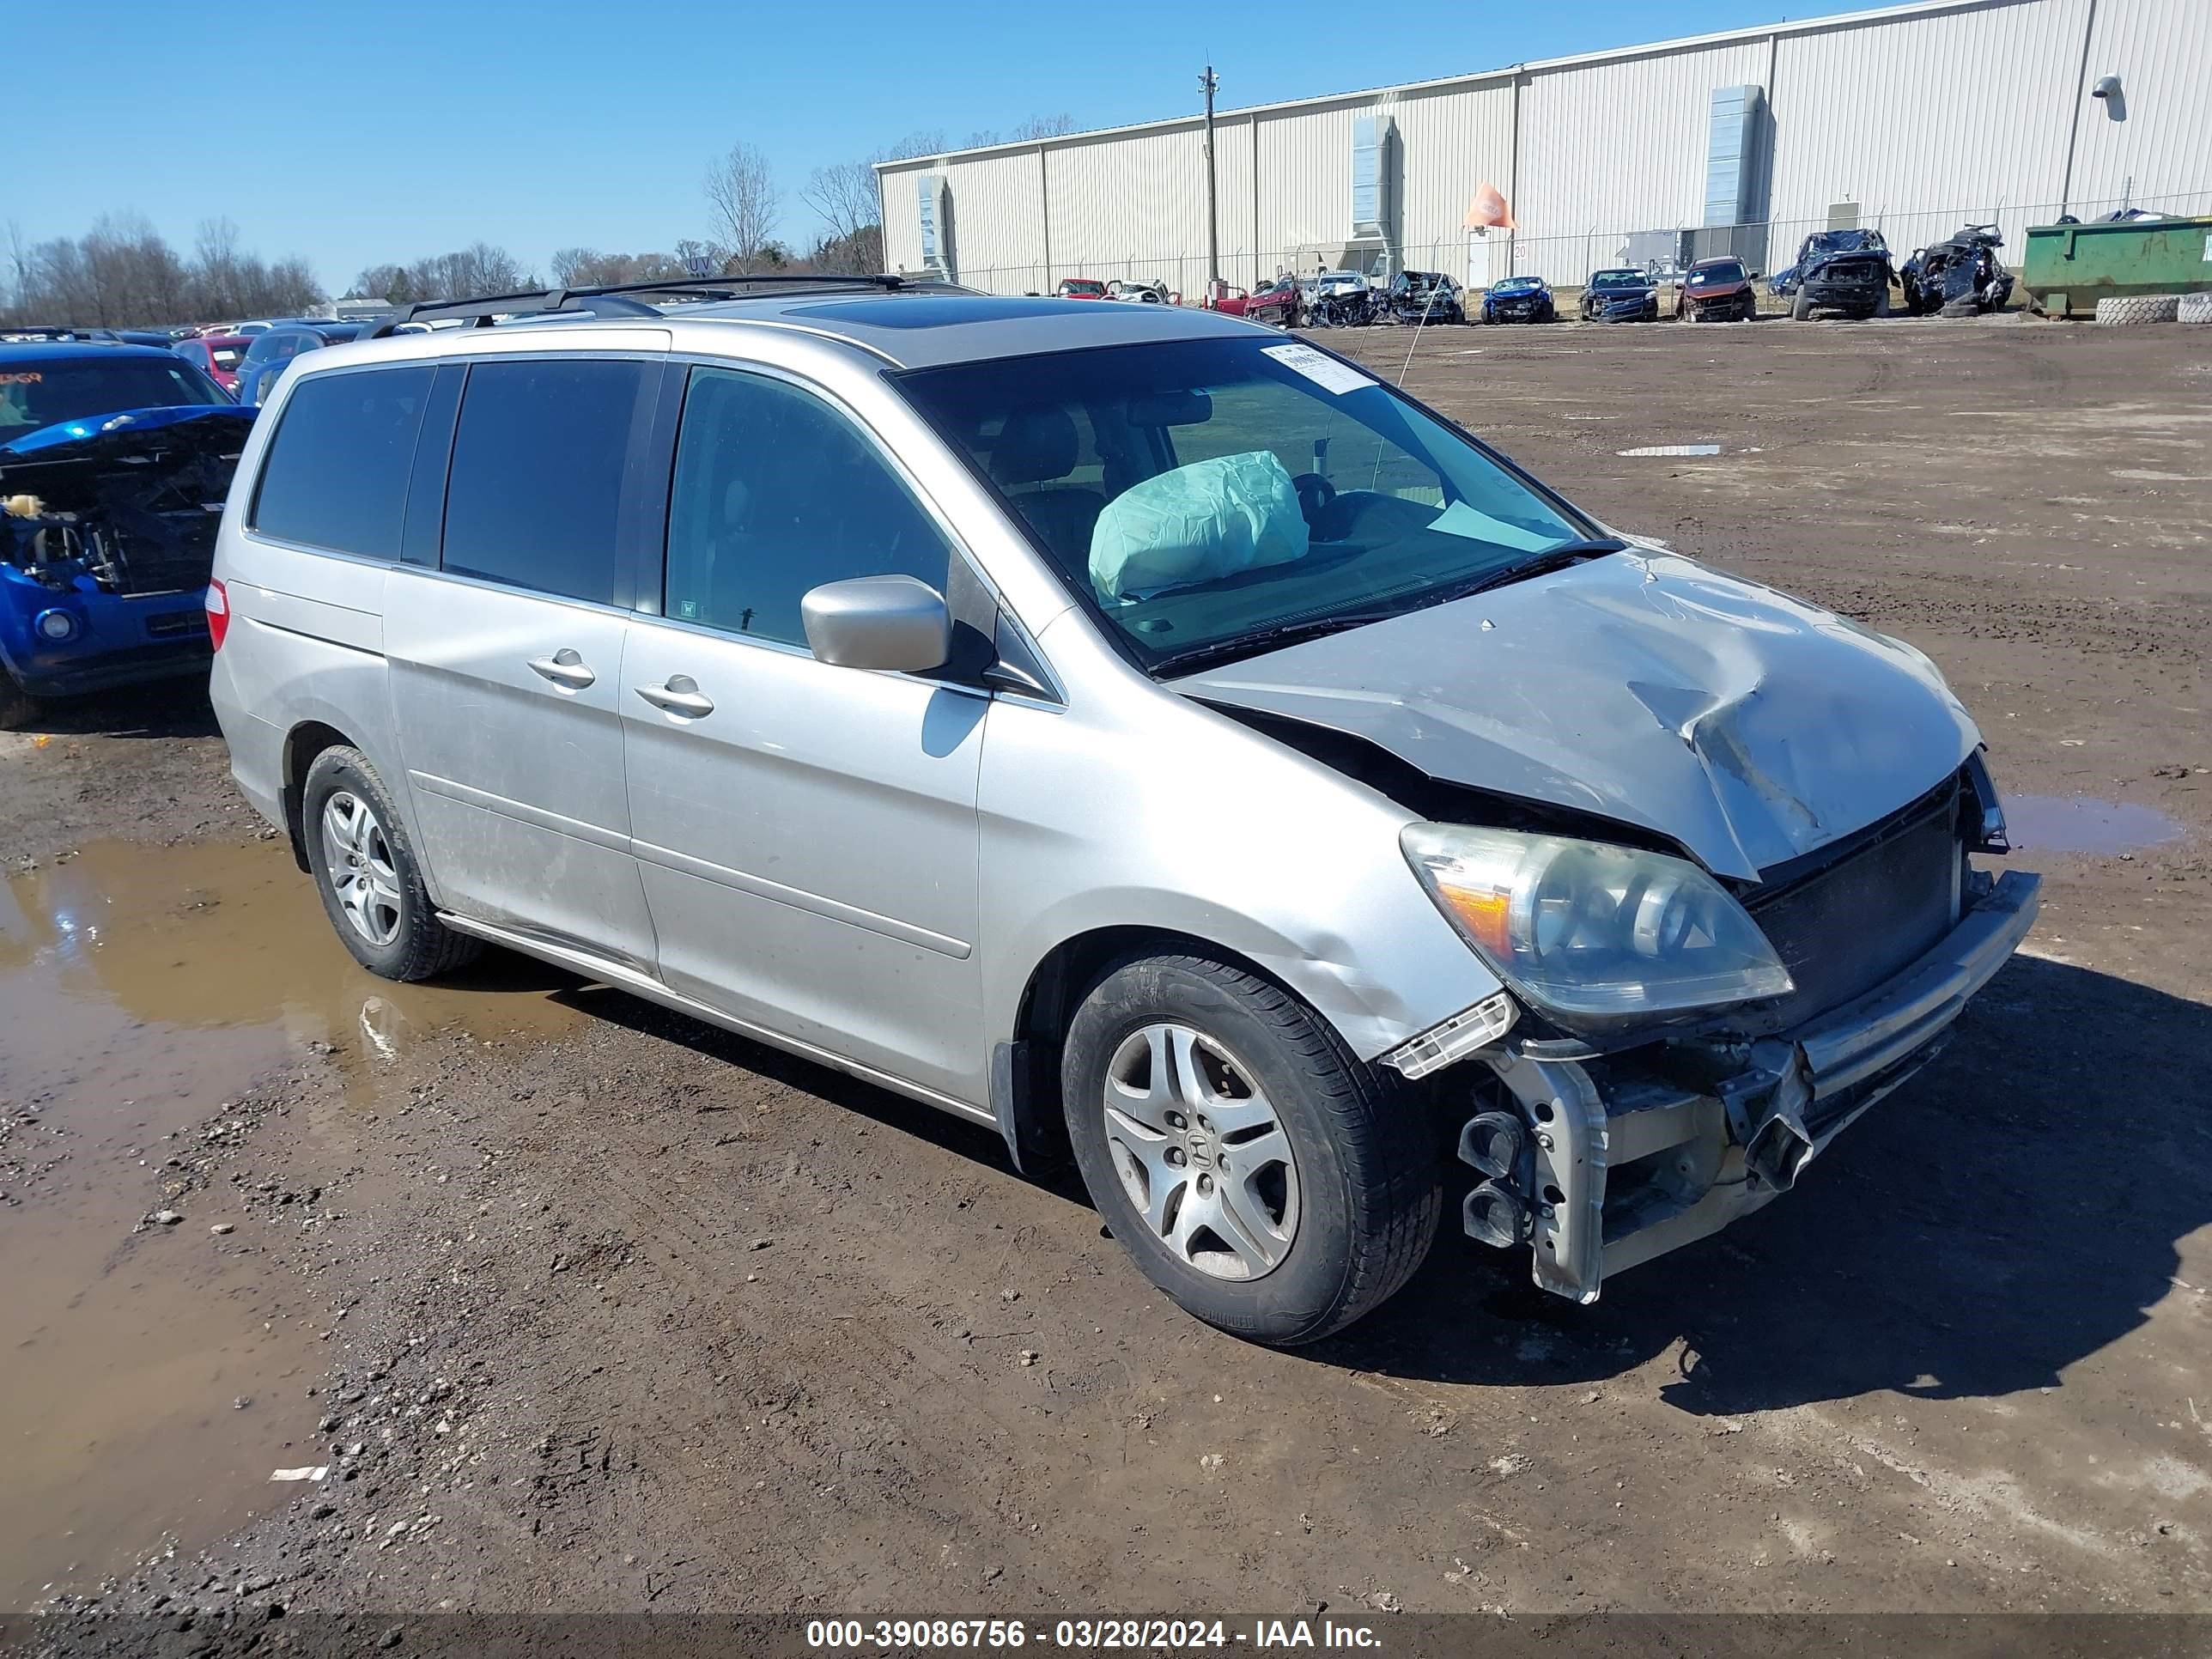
(2013,1209)
(865,1100)
(176,708)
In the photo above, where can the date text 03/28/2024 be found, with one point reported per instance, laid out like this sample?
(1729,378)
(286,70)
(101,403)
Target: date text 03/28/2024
(1098,1635)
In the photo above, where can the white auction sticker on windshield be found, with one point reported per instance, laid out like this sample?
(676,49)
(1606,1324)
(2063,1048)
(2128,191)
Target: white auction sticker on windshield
(1323,370)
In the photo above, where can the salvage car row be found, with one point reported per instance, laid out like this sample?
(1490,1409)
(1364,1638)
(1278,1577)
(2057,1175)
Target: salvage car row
(1844,272)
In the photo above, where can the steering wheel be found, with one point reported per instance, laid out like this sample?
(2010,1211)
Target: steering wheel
(1315,493)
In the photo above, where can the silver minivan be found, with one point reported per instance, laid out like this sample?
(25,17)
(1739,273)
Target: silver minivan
(1125,727)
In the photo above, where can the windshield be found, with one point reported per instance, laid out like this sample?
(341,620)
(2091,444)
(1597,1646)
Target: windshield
(1619,279)
(1197,494)
(1729,272)
(1520,284)
(38,395)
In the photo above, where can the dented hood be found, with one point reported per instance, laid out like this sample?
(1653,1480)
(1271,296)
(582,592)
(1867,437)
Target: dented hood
(1744,725)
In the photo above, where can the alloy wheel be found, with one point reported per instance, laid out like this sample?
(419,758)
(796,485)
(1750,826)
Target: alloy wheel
(359,858)
(1200,1152)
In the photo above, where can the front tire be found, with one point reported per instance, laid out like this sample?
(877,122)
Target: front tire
(366,871)
(1258,1171)
(1801,309)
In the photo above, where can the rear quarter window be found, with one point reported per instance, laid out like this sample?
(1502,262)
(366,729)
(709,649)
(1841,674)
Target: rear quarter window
(336,474)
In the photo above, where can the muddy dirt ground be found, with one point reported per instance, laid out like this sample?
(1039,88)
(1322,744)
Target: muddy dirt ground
(584,1306)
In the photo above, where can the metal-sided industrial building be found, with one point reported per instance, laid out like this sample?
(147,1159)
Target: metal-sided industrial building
(1914,119)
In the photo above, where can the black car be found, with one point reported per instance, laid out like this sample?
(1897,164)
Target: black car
(1622,295)
(1961,277)
(1845,270)
(1425,296)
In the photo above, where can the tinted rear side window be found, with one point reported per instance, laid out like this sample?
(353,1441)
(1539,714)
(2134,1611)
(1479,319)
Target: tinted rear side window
(337,471)
(537,475)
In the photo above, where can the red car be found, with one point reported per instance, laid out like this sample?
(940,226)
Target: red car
(1081,288)
(218,354)
(1717,291)
(1280,303)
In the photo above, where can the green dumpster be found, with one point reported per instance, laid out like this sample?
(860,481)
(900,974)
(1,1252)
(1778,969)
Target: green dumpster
(2070,267)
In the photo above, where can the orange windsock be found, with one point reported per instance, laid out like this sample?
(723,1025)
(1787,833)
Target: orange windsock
(1489,209)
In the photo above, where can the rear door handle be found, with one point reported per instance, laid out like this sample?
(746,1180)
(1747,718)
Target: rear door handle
(680,696)
(564,667)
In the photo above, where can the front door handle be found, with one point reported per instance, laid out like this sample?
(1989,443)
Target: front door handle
(564,667)
(680,696)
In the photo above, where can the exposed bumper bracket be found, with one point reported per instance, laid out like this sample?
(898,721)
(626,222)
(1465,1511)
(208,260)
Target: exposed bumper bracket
(1751,1139)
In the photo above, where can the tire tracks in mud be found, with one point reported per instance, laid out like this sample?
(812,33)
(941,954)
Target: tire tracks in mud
(883,1488)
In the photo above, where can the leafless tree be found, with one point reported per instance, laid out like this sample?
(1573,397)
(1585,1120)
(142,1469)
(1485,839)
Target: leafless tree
(741,196)
(1043,126)
(846,197)
(123,273)
(476,269)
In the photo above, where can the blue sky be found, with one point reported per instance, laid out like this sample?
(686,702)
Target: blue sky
(562,122)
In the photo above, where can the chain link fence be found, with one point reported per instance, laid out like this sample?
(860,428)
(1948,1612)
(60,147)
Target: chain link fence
(1564,260)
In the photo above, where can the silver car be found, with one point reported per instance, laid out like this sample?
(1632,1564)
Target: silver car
(1123,727)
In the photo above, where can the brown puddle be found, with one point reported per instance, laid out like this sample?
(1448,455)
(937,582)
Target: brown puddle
(140,988)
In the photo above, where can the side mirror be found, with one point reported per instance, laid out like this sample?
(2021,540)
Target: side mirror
(878,622)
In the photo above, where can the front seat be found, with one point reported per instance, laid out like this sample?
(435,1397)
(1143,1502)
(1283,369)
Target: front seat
(1036,446)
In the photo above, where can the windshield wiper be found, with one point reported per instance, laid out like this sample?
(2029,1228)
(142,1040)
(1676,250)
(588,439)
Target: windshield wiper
(1562,557)
(1307,628)
(1268,639)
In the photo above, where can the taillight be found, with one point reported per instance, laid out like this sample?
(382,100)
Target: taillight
(218,613)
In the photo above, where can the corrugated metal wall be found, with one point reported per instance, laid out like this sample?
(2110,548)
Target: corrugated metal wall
(1612,148)
(1929,125)
(2163,148)
(1448,145)
(1925,116)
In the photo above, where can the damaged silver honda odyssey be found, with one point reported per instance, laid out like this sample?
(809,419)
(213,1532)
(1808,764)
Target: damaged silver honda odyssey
(1126,726)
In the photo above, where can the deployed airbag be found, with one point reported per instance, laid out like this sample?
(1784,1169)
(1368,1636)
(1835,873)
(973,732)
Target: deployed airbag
(1197,524)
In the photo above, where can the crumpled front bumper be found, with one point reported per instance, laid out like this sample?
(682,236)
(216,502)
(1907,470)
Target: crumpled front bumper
(1623,1166)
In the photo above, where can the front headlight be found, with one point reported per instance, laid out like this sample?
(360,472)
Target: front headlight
(1592,931)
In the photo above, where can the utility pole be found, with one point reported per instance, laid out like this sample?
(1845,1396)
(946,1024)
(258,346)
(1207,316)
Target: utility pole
(1210,84)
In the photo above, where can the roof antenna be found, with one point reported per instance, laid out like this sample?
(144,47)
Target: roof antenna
(1439,288)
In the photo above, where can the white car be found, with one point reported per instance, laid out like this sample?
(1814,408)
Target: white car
(1142,294)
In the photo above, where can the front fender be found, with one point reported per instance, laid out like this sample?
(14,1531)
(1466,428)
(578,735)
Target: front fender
(1144,809)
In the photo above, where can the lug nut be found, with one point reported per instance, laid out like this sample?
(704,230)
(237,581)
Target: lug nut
(1176,1155)
(1205,1184)
(1177,1121)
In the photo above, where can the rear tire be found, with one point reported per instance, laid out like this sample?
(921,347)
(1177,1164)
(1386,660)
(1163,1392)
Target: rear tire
(1319,1177)
(366,871)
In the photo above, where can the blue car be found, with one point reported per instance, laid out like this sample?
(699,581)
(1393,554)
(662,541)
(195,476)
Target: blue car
(1622,294)
(274,348)
(114,462)
(1519,300)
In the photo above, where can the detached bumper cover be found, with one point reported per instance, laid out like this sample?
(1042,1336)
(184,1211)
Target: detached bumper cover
(1627,1167)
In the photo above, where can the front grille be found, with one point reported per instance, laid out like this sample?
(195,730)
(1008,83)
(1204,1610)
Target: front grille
(1844,929)
(1852,273)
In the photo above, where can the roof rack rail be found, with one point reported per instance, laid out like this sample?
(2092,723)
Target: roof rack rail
(611,299)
